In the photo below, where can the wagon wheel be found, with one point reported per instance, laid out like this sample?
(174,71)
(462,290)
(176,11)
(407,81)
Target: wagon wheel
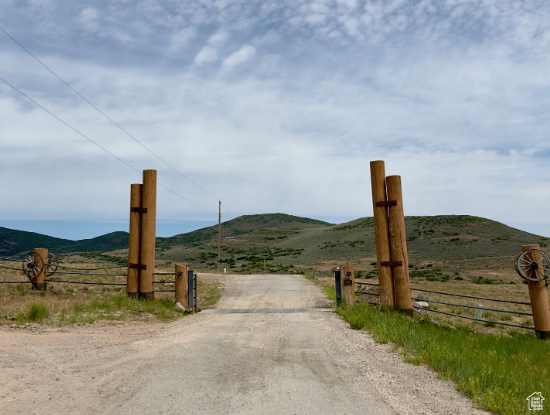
(33,265)
(533,265)
(53,262)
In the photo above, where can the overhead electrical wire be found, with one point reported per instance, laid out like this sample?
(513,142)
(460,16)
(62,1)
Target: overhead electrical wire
(95,143)
(106,116)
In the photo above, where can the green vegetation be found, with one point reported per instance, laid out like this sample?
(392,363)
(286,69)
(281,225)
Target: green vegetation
(61,304)
(497,372)
(451,242)
(13,242)
(36,312)
(95,308)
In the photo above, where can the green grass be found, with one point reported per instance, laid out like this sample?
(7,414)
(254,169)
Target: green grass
(115,307)
(497,372)
(60,307)
(35,313)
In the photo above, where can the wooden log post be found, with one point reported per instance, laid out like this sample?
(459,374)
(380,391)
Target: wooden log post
(148,233)
(398,246)
(38,282)
(348,285)
(381,233)
(134,243)
(539,299)
(182,286)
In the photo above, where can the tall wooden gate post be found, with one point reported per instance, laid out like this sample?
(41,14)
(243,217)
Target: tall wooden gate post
(182,286)
(134,244)
(539,299)
(38,282)
(148,233)
(398,246)
(348,285)
(381,234)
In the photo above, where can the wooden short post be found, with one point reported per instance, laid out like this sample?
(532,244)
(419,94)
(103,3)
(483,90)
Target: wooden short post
(134,243)
(347,281)
(539,300)
(381,233)
(398,246)
(38,282)
(182,285)
(148,233)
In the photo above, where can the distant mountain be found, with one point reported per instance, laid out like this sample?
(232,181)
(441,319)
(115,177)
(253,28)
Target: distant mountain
(289,243)
(284,243)
(14,242)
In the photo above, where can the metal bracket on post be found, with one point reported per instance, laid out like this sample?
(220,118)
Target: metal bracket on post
(138,209)
(391,264)
(387,203)
(138,266)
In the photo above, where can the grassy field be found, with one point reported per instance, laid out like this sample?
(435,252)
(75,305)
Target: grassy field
(67,304)
(497,372)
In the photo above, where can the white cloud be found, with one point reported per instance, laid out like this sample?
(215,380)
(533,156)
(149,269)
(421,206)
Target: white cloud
(89,18)
(180,39)
(219,38)
(207,54)
(239,57)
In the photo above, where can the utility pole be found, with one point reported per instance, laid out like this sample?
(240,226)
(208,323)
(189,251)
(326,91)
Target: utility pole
(220,236)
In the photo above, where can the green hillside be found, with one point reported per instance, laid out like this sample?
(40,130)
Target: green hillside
(243,225)
(17,243)
(285,243)
(448,241)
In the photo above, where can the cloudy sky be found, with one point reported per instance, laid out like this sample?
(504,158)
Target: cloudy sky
(272,106)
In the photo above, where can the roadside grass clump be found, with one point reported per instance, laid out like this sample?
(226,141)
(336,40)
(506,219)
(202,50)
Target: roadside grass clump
(35,313)
(497,372)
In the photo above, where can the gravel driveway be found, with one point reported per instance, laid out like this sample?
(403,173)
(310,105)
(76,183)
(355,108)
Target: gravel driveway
(268,348)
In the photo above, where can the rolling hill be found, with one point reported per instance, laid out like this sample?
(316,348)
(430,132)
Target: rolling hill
(285,243)
(17,243)
(451,242)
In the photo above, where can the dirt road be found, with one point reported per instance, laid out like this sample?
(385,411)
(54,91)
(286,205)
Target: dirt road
(268,348)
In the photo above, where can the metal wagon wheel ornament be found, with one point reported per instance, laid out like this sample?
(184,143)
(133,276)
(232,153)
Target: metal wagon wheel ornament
(33,265)
(533,265)
(53,262)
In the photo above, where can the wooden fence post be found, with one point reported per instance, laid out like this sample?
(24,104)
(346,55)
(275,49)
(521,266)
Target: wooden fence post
(134,243)
(181,286)
(38,282)
(348,285)
(148,233)
(539,299)
(398,246)
(381,233)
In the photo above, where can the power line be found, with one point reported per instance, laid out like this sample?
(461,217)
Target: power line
(226,211)
(106,116)
(95,143)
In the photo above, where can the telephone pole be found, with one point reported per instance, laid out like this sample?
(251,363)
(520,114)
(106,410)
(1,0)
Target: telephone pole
(220,236)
